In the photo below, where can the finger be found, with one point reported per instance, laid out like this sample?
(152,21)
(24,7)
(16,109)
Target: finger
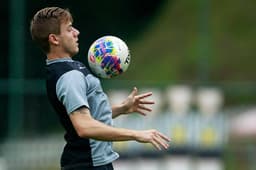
(134,92)
(164,137)
(156,145)
(161,142)
(146,102)
(141,96)
(143,107)
(141,112)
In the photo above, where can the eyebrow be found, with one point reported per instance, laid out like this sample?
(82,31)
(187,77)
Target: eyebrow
(69,25)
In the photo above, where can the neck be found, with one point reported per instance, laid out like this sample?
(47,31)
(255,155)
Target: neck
(53,55)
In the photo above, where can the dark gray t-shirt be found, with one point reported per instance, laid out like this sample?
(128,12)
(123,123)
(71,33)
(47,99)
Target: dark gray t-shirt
(74,90)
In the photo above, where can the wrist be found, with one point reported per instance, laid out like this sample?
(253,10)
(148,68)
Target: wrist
(123,108)
(134,135)
(118,110)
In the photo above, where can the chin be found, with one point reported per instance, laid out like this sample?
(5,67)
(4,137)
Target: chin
(74,52)
(77,50)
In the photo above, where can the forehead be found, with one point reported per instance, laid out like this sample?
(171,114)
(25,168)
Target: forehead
(66,24)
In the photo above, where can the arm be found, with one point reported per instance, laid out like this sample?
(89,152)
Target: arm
(133,103)
(87,127)
(73,96)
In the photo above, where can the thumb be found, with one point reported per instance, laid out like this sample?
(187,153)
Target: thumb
(134,92)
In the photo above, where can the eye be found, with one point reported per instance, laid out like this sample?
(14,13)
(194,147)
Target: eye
(70,28)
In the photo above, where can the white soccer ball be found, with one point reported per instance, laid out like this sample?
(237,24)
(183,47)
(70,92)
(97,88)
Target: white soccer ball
(108,57)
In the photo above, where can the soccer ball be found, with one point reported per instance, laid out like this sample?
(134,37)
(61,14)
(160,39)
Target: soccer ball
(108,57)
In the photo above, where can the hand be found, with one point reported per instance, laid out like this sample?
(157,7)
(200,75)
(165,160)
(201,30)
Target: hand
(137,103)
(156,138)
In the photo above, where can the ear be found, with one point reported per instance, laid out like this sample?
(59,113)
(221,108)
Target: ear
(53,39)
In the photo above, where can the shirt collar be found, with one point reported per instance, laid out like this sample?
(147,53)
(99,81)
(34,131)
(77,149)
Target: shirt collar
(65,59)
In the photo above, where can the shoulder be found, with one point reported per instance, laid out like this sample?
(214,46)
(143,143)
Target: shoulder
(72,77)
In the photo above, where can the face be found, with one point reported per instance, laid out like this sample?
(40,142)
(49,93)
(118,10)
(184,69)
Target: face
(69,39)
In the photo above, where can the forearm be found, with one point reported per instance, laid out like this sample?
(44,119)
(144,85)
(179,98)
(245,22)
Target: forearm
(97,130)
(117,110)
(103,132)
(87,127)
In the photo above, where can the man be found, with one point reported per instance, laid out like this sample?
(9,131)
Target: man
(78,99)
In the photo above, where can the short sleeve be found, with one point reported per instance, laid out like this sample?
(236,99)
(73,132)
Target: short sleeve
(71,90)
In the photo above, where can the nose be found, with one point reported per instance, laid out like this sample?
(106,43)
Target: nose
(76,31)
